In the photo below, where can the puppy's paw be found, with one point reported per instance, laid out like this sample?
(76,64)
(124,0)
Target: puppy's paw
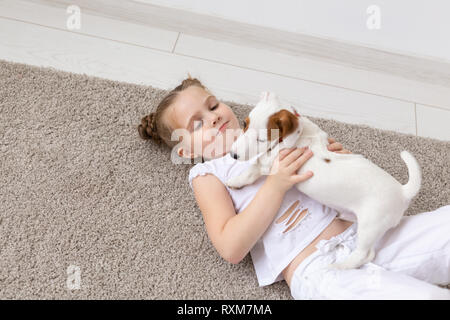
(235,183)
(355,260)
(342,266)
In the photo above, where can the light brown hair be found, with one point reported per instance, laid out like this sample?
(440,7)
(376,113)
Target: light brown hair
(153,127)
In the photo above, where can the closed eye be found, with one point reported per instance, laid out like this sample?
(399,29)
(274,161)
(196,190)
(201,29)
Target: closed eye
(201,121)
(260,140)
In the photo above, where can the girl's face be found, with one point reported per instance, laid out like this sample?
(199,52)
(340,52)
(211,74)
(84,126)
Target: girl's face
(200,116)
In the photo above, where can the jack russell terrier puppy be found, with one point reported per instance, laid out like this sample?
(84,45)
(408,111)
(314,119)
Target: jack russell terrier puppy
(349,183)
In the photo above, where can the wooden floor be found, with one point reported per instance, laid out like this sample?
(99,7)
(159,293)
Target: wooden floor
(36,34)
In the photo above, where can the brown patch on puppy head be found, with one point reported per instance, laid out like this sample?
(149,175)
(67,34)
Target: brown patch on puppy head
(283,120)
(246,123)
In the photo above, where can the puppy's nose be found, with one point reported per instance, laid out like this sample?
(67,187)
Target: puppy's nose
(234,155)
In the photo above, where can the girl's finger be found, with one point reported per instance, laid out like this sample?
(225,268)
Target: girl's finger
(302,177)
(284,152)
(336,146)
(300,161)
(294,154)
(331,140)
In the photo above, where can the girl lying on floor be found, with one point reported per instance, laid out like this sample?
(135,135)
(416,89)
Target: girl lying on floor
(292,237)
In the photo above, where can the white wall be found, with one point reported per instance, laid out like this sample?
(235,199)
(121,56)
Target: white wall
(414,27)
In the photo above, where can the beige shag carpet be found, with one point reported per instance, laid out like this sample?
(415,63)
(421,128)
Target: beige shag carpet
(80,188)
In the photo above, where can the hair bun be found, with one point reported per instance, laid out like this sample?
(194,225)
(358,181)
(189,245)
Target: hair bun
(189,81)
(147,129)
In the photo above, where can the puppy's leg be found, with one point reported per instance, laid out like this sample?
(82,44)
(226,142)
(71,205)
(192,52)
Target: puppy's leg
(348,216)
(362,254)
(368,232)
(247,177)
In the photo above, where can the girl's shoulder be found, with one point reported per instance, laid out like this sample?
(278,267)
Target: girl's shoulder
(223,168)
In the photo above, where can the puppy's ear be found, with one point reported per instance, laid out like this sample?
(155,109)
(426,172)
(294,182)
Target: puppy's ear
(263,95)
(285,121)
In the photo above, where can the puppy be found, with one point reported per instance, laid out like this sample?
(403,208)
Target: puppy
(349,183)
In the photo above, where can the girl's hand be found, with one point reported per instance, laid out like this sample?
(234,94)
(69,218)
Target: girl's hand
(336,146)
(283,174)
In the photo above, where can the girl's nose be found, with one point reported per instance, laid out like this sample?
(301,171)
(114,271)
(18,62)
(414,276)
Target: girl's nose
(216,120)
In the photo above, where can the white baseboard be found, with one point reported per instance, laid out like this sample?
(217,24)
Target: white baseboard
(410,67)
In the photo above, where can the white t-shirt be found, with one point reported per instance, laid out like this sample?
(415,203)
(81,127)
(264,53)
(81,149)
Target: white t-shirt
(287,236)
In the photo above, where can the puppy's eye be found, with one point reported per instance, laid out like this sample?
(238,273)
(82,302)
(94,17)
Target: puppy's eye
(260,140)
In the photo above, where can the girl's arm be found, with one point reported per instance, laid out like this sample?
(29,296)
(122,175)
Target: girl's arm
(234,235)
(242,231)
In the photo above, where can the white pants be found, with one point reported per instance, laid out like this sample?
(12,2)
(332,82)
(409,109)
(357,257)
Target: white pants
(411,259)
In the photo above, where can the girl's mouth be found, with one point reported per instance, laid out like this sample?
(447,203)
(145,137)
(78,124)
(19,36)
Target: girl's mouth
(223,127)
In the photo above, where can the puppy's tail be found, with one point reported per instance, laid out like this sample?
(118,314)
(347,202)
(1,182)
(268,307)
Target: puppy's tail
(415,175)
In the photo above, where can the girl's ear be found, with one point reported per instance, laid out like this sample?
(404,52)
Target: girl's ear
(181,152)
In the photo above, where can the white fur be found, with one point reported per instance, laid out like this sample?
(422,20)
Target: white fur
(349,183)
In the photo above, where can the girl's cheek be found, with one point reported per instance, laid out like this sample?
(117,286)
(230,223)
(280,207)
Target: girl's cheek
(196,141)
(208,138)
